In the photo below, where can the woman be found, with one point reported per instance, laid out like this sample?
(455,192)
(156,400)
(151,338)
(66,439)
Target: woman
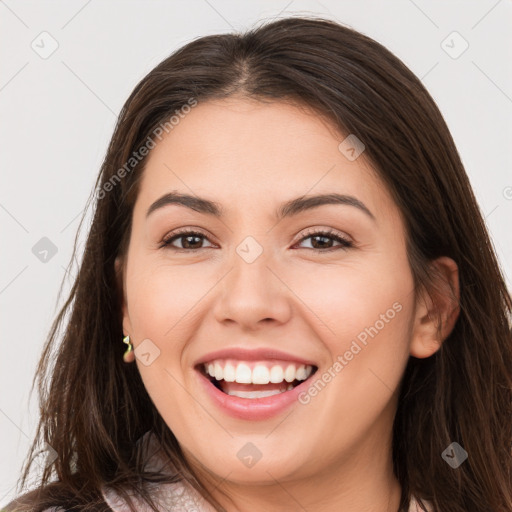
(287,243)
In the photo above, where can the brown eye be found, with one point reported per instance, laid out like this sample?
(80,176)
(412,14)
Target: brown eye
(323,240)
(191,240)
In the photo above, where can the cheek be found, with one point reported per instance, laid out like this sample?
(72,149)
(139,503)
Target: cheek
(160,299)
(363,315)
(355,298)
(163,305)
(160,305)
(354,396)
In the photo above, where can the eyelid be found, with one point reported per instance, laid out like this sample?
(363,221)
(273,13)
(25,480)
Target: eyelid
(175,234)
(331,232)
(345,241)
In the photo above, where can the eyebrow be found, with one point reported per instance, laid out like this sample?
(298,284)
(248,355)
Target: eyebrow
(287,209)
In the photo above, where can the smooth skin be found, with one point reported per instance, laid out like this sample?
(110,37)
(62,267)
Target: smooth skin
(333,453)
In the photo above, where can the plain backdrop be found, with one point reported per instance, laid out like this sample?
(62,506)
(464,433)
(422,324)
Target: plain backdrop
(68,66)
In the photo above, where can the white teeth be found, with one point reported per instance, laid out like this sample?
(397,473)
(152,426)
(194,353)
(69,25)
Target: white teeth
(219,372)
(243,374)
(289,373)
(254,394)
(229,373)
(276,374)
(300,373)
(261,373)
(258,394)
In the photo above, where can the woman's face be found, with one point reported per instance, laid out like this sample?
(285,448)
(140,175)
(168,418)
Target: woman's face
(260,294)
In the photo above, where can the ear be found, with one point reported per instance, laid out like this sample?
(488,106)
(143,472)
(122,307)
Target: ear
(119,270)
(436,314)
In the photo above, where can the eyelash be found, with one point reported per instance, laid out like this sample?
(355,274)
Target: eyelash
(345,243)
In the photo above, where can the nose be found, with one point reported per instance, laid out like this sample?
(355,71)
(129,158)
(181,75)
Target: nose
(252,294)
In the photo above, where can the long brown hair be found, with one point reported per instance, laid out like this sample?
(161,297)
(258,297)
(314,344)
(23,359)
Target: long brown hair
(95,409)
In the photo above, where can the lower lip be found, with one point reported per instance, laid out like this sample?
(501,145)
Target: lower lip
(252,409)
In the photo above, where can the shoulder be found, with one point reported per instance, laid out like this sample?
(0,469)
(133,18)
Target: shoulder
(28,503)
(177,496)
(23,503)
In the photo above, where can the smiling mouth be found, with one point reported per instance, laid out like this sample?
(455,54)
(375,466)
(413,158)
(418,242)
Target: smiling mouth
(255,379)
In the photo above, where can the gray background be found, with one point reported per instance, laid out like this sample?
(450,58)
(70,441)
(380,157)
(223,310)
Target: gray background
(58,112)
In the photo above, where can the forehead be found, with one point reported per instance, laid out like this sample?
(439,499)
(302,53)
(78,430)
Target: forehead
(251,155)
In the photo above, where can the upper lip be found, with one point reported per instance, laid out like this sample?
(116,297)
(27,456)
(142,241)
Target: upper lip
(259,354)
